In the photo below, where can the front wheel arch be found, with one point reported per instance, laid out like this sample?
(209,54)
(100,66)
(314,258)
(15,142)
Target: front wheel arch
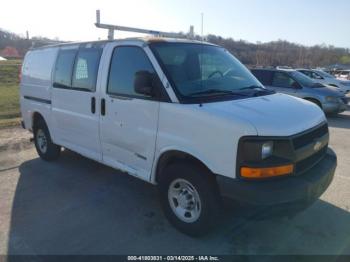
(315,101)
(172,156)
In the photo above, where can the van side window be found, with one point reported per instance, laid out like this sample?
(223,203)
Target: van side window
(308,73)
(264,76)
(63,68)
(86,69)
(126,62)
(281,79)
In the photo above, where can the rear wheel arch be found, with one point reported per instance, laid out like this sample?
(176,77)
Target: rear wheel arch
(36,118)
(44,145)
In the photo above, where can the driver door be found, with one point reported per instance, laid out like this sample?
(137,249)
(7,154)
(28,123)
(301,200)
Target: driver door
(129,121)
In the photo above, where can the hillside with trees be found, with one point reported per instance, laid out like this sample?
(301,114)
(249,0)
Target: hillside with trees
(283,53)
(16,46)
(252,54)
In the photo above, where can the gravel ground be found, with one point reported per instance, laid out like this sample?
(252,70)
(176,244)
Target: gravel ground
(77,206)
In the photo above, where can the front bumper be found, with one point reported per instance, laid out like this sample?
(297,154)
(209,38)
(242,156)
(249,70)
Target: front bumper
(334,107)
(285,192)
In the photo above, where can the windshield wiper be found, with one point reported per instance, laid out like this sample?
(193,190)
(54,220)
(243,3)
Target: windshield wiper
(254,87)
(258,90)
(317,85)
(217,91)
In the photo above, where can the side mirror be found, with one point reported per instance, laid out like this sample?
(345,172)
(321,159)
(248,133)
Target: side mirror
(296,85)
(143,83)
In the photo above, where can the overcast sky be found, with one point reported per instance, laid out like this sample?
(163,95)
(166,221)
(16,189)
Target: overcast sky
(306,22)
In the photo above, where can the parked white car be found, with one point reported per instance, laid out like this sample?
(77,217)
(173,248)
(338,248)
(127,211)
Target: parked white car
(344,75)
(183,115)
(327,79)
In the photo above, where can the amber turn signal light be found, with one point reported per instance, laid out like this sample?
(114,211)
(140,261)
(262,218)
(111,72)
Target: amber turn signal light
(266,172)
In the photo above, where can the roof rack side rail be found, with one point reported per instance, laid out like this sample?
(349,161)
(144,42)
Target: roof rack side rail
(112,28)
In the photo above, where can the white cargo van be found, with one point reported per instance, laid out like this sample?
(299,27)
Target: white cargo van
(180,114)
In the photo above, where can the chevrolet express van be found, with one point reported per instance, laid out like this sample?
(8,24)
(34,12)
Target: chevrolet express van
(183,115)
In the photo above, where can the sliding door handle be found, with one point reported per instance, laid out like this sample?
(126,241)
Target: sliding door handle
(103,106)
(93,105)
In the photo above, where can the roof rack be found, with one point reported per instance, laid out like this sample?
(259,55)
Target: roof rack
(112,28)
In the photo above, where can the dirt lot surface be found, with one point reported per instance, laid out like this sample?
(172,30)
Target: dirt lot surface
(77,206)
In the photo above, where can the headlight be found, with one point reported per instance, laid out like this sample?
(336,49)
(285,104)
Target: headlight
(266,150)
(260,157)
(332,99)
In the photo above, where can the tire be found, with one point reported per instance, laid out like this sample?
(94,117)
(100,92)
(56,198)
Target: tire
(46,149)
(201,197)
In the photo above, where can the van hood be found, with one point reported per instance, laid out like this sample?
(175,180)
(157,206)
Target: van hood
(328,91)
(272,115)
(345,82)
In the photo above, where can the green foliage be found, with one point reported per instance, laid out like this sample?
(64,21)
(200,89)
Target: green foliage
(9,92)
(345,59)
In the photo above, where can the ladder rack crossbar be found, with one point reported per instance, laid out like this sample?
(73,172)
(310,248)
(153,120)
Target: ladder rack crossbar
(137,30)
(112,28)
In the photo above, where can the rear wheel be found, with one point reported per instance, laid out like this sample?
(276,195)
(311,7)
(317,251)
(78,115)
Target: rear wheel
(46,149)
(190,198)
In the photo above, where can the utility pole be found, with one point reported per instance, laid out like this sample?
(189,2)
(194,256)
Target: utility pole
(202,15)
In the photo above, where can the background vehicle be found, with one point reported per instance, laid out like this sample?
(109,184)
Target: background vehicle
(294,83)
(344,75)
(326,79)
(183,115)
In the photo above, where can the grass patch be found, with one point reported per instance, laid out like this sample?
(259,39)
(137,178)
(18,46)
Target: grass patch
(4,123)
(9,93)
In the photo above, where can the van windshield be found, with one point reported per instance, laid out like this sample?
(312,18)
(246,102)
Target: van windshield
(205,71)
(305,81)
(324,74)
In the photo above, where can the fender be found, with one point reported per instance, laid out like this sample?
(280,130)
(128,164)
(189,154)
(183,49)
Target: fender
(192,153)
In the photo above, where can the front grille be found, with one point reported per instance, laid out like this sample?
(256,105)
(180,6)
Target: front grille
(306,138)
(309,162)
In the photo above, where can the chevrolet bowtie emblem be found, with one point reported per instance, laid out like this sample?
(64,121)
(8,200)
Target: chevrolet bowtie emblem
(317,145)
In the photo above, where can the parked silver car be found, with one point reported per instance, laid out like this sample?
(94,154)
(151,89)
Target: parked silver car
(327,79)
(294,83)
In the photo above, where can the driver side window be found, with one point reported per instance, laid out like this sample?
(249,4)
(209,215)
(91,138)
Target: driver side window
(316,76)
(282,79)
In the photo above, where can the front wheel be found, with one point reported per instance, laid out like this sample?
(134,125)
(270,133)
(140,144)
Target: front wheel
(190,198)
(46,149)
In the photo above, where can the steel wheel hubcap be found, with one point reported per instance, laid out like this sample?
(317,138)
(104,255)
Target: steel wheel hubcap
(184,200)
(41,140)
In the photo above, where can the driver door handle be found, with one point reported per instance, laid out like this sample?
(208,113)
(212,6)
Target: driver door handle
(103,106)
(93,105)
